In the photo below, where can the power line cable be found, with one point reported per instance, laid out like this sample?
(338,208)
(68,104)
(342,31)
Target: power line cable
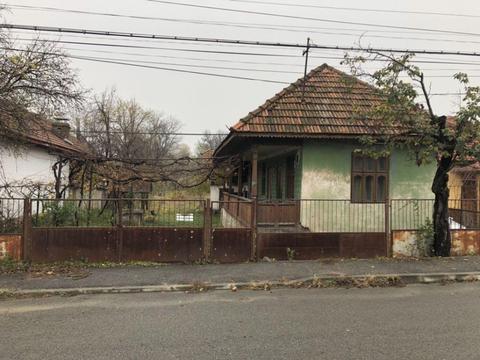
(240,25)
(85,58)
(208,22)
(180,70)
(252,54)
(356,9)
(197,66)
(169,49)
(286,16)
(228,41)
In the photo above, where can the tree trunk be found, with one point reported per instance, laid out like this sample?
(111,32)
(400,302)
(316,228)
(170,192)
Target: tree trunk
(441,228)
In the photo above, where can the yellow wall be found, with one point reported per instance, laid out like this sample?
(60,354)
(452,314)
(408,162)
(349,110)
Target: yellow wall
(455,181)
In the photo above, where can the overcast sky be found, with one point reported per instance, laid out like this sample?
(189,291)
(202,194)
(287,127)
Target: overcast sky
(210,103)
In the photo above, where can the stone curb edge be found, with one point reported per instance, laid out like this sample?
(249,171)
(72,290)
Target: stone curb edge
(420,278)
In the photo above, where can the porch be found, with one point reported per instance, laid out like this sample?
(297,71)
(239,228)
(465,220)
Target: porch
(270,175)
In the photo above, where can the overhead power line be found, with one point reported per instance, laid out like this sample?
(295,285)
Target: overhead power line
(355,9)
(179,70)
(286,16)
(197,66)
(99,60)
(198,59)
(323,57)
(136,61)
(296,29)
(129,46)
(209,22)
(227,41)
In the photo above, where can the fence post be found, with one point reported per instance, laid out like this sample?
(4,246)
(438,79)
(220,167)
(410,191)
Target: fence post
(253,225)
(27,230)
(120,230)
(388,233)
(207,230)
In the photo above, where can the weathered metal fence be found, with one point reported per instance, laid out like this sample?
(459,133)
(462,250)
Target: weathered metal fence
(161,230)
(314,228)
(415,214)
(11,215)
(232,232)
(233,229)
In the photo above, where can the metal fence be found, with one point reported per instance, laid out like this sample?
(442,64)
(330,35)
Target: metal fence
(410,214)
(115,212)
(232,212)
(414,214)
(306,215)
(341,216)
(11,215)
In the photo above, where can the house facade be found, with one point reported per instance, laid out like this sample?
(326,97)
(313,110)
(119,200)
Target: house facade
(39,158)
(303,145)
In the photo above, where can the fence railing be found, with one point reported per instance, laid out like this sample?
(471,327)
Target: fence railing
(413,214)
(115,212)
(341,216)
(277,213)
(314,215)
(11,215)
(234,211)
(182,230)
(410,214)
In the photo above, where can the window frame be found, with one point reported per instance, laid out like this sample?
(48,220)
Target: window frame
(364,174)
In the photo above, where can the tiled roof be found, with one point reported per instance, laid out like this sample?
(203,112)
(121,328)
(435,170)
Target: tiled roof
(40,132)
(324,104)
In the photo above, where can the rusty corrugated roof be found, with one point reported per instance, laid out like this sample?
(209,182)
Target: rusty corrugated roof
(328,102)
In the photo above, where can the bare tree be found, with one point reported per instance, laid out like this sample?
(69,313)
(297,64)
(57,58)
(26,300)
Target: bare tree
(34,78)
(209,141)
(134,144)
(123,130)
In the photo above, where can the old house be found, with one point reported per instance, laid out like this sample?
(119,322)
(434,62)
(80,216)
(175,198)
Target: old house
(36,161)
(301,145)
(303,141)
(464,205)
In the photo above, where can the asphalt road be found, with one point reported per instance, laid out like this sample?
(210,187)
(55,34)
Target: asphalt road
(416,322)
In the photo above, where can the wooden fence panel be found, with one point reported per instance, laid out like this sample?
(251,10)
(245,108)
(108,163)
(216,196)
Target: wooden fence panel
(278,213)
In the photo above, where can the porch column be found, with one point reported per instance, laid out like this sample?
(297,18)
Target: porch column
(254,173)
(240,176)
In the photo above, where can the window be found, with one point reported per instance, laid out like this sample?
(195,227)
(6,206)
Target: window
(263,188)
(279,183)
(290,178)
(369,179)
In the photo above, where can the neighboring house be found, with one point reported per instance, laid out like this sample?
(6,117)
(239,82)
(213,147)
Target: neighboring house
(464,205)
(301,144)
(40,159)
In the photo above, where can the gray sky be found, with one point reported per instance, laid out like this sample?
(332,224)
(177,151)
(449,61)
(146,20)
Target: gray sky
(209,103)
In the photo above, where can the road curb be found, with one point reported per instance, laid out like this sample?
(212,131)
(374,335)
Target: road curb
(367,280)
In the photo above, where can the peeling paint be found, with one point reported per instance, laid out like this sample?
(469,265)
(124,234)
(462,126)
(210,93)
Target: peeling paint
(464,243)
(325,184)
(404,244)
(10,246)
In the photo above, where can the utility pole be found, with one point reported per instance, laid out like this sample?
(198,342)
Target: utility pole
(305,53)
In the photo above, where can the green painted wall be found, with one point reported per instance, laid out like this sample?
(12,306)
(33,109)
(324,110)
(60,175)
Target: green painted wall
(326,172)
